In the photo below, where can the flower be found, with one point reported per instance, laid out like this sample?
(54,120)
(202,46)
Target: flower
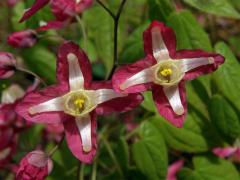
(232,152)
(75,101)
(164,70)
(35,165)
(12,3)
(173,170)
(62,9)
(7,65)
(23,39)
(10,123)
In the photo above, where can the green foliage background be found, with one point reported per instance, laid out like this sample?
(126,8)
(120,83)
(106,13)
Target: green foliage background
(213,100)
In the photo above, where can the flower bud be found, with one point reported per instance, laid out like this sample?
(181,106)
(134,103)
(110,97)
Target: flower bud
(23,39)
(35,165)
(7,65)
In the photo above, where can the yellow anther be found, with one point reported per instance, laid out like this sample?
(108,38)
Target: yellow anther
(79,102)
(166,72)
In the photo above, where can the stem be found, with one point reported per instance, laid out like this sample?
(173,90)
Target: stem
(82,172)
(80,22)
(130,134)
(110,151)
(94,172)
(78,170)
(108,10)
(31,73)
(50,154)
(116,23)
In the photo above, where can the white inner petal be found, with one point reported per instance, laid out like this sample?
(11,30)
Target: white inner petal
(38,159)
(160,51)
(173,96)
(141,77)
(103,95)
(56,104)
(4,153)
(192,63)
(76,80)
(84,128)
(11,94)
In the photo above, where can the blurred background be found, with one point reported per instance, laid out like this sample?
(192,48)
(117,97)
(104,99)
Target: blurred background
(139,144)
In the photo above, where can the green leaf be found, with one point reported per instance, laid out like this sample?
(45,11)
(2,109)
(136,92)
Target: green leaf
(197,135)
(41,61)
(160,9)
(224,117)
(226,78)
(100,29)
(217,7)
(190,35)
(148,102)
(210,168)
(123,154)
(150,153)
(133,49)
(17,11)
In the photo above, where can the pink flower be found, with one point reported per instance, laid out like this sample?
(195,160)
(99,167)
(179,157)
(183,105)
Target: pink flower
(10,97)
(7,65)
(62,9)
(35,165)
(8,144)
(23,39)
(53,132)
(164,70)
(67,9)
(232,152)
(12,3)
(173,170)
(75,102)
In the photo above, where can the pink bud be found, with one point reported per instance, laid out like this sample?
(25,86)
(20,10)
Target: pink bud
(7,65)
(35,165)
(23,39)
(12,3)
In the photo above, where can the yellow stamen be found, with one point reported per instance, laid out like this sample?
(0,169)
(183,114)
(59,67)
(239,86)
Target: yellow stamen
(166,72)
(79,103)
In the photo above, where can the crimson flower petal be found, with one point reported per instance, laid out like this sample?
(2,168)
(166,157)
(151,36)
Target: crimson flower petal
(62,64)
(7,65)
(37,5)
(168,36)
(35,98)
(190,75)
(165,108)
(224,152)
(173,170)
(51,25)
(121,104)
(125,72)
(23,39)
(74,139)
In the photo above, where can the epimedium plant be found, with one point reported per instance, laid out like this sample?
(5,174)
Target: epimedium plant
(141,134)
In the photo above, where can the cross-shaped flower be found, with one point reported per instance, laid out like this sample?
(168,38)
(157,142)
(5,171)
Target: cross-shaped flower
(75,101)
(164,71)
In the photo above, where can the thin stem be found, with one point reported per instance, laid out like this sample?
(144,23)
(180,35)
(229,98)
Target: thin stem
(81,23)
(94,172)
(108,10)
(31,73)
(82,171)
(50,154)
(130,134)
(78,170)
(116,23)
(110,151)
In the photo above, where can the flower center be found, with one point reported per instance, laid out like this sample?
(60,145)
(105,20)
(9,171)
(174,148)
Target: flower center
(167,72)
(78,103)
